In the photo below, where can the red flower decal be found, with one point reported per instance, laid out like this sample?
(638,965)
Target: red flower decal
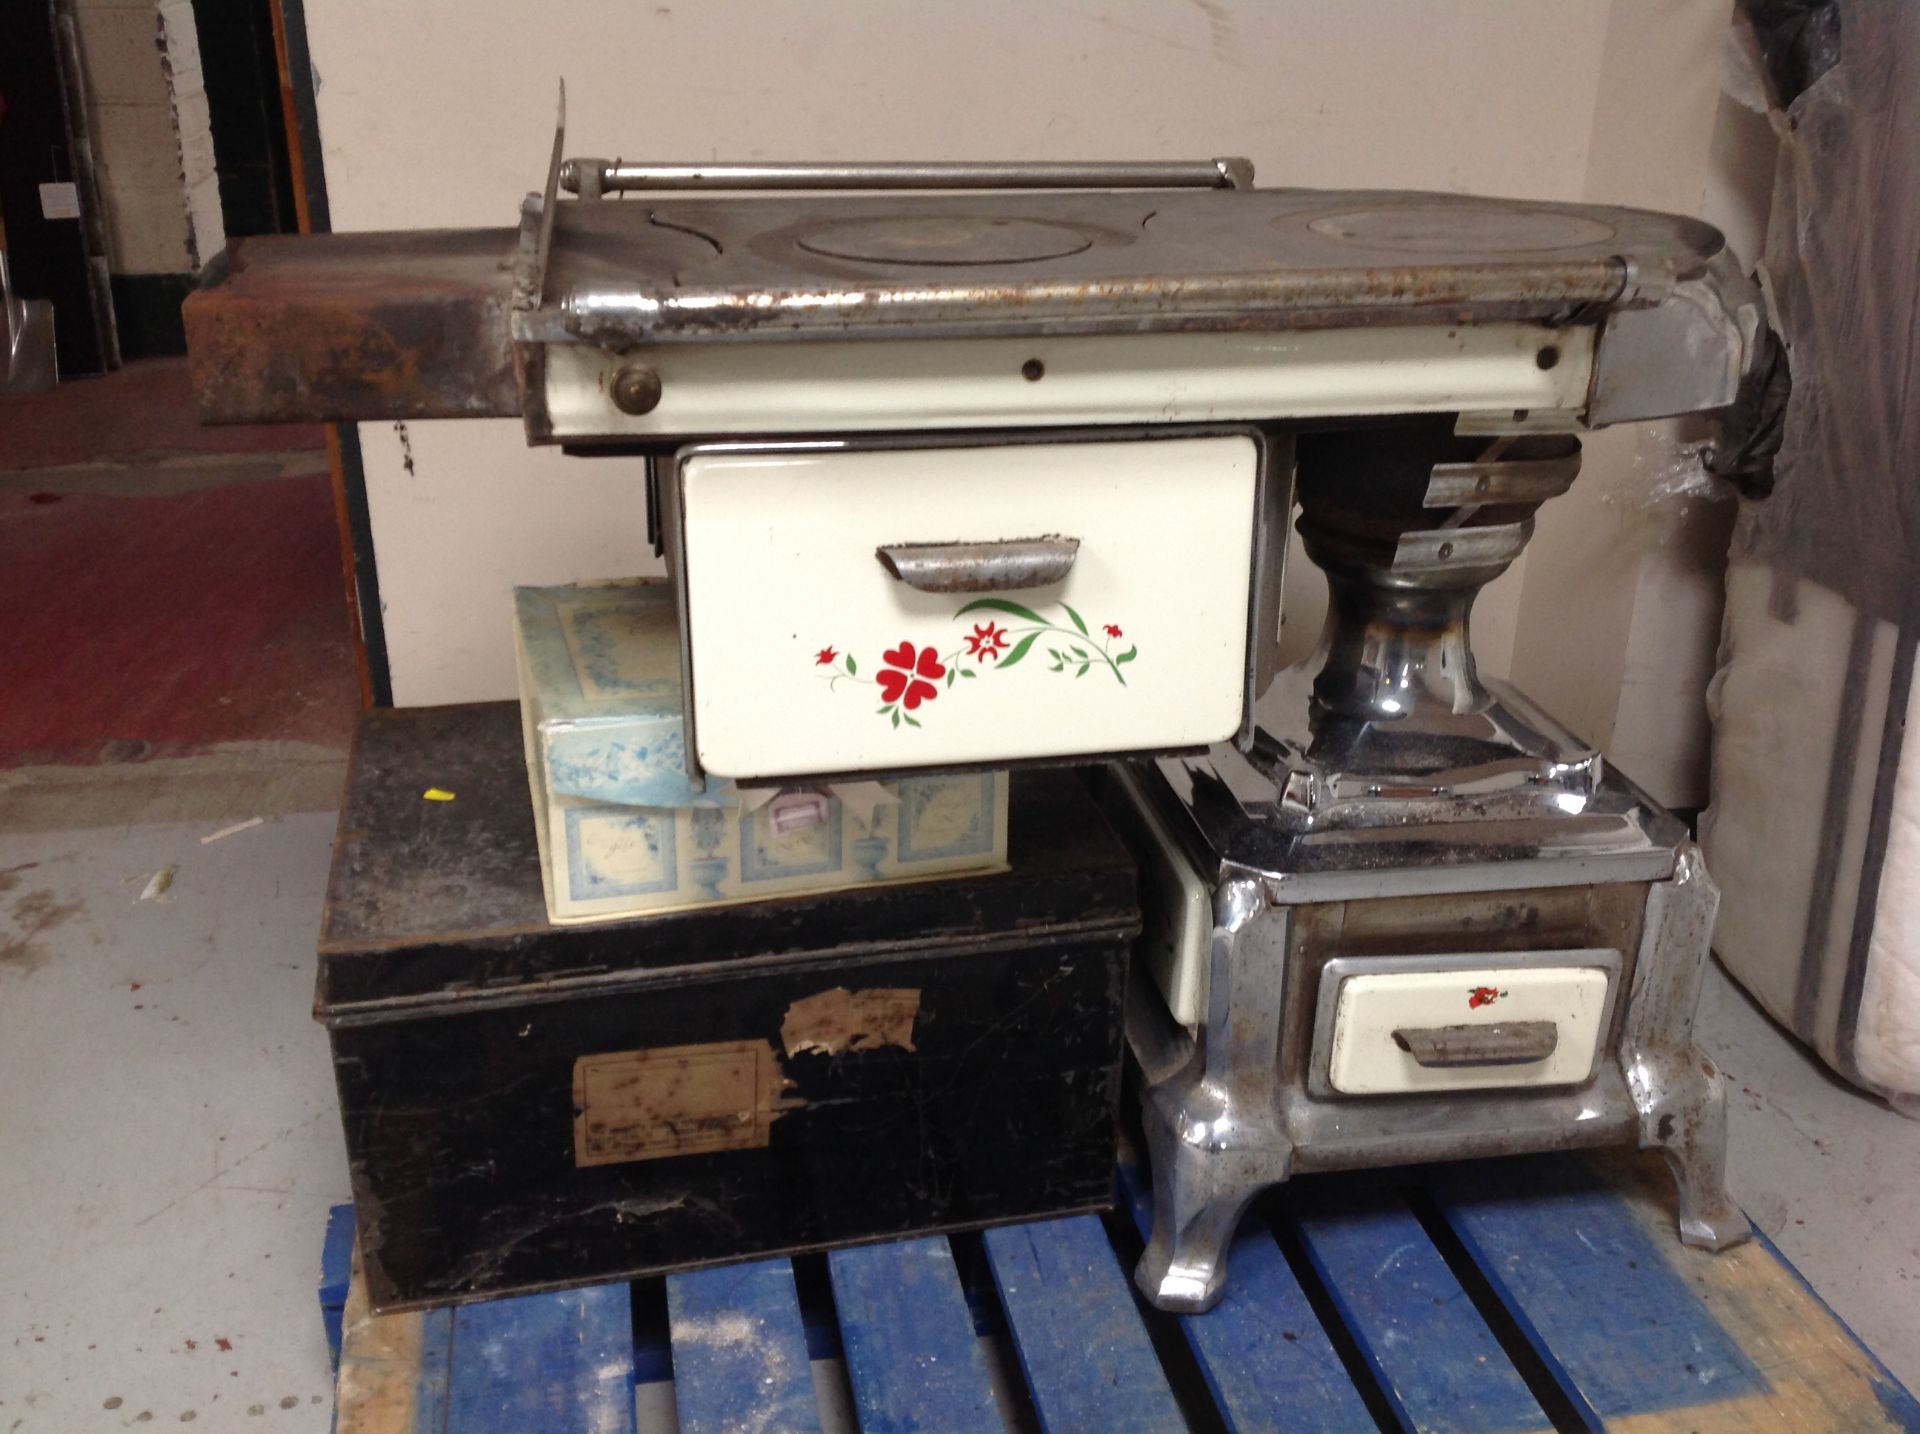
(909,675)
(987,642)
(1483,996)
(1113,631)
(826,657)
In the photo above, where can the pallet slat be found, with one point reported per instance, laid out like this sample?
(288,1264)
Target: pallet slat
(1642,1334)
(1083,1349)
(559,1363)
(1267,1362)
(912,1356)
(1432,1354)
(1814,1373)
(740,1350)
(393,1369)
(336,1274)
(1593,1292)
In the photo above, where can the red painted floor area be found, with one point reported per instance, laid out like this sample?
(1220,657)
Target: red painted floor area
(142,410)
(173,621)
(152,603)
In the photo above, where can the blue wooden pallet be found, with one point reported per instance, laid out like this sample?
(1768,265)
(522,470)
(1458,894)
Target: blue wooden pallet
(1531,1294)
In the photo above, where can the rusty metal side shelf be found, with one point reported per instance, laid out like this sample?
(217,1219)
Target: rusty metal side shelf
(355,326)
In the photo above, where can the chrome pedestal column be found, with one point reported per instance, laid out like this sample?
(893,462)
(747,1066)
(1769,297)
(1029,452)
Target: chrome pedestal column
(1391,795)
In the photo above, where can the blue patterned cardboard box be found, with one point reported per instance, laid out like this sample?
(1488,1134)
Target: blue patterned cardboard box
(621,831)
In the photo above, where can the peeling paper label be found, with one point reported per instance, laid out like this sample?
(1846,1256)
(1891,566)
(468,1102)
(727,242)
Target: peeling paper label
(676,1100)
(842,1020)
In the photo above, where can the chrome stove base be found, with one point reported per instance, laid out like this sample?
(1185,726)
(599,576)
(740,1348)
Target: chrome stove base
(1237,1104)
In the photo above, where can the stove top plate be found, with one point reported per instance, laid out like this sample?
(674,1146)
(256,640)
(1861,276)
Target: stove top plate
(946,240)
(1450,228)
(1085,261)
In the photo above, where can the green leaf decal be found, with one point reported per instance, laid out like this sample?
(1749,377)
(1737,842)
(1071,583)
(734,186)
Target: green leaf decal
(852,670)
(1083,670)
(953,674)
(1012,609)
(968,672)
(1127,656)
(1076,621)
(1081,653)
(896,717)
(1020,649)
(911,722)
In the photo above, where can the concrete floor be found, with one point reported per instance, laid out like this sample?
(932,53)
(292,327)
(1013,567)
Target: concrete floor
(166,1106)
(1830,1175)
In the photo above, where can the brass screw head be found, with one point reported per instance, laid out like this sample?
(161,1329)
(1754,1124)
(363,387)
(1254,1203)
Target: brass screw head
(635,389)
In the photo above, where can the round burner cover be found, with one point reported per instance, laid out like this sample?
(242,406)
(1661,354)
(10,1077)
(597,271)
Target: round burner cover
(1439,227)
(955,239)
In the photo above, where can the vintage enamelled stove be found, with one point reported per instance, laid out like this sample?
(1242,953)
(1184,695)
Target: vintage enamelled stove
(1012,449)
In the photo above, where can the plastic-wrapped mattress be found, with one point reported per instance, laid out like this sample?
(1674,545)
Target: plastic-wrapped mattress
(1814,828)
(1814,831)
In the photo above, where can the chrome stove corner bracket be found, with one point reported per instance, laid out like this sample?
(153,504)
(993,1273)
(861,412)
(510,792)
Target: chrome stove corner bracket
(1679,1094)
(1214,1126)
(1685,354)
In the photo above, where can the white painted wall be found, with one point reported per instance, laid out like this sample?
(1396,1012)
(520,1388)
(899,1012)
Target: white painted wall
(438,112)
(1625,579)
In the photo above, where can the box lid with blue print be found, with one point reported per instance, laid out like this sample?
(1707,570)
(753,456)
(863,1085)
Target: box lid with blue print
(600,663)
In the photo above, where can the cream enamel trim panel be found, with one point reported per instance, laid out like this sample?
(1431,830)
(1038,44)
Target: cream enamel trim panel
(791,620)
(841,386)
(1363,1058)
(1177,907)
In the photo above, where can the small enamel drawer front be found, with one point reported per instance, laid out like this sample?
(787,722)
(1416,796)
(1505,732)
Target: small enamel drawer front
(1116,619)
(1407,1025)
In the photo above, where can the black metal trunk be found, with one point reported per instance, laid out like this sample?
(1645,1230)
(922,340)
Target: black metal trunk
(529,1105)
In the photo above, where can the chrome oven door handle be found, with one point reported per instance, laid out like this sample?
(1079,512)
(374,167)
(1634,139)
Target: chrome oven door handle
(1005,566)
(1506,1043)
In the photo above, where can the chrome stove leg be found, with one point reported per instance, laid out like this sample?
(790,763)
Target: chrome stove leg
(1200,1191)
(1678,1092)
(1695,1144)
(1214,1127)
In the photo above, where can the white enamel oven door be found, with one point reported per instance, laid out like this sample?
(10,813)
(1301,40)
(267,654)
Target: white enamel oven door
(807,656)
(1483,1020)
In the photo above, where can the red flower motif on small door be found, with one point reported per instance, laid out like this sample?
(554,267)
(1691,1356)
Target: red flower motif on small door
(909,675)
(825,657)
(986,643)
(1483,996)
(1113,631)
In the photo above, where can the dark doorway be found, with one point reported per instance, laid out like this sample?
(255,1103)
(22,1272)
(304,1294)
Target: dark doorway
(48,251)
(240,68)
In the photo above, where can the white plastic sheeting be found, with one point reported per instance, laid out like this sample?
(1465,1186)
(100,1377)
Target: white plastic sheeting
(1814,831)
